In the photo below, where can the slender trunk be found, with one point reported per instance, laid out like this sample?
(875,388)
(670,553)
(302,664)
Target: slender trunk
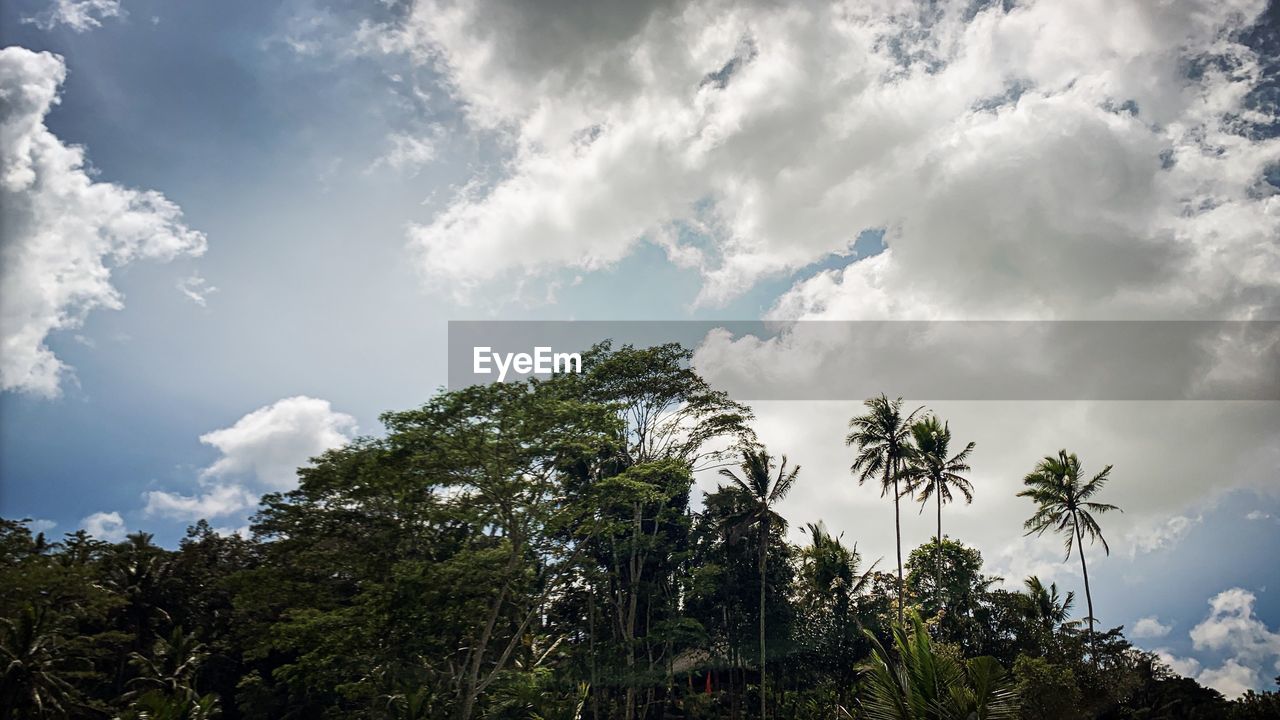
(1088,596)
(897,529)
(937,551)
(764,563)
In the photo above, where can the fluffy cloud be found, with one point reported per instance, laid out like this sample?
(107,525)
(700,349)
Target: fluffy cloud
(260,452)
(1150,628)
(1231,679)
(1251,650)
(107,526)
(62,232)
(77,15)
(1041,160)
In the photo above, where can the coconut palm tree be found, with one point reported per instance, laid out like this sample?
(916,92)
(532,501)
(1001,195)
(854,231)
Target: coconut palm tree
(883,437)
(34,667)
(763,489)
(936,475)
(1064,505)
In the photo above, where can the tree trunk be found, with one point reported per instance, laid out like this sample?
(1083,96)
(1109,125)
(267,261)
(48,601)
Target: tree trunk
(764,563)
(897,529)
(937,578)
(1088,596)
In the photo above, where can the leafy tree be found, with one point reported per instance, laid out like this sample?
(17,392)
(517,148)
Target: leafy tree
(935,474)
(1064,505)
(883,437)
(1047,691)
(960,580)
(765,490)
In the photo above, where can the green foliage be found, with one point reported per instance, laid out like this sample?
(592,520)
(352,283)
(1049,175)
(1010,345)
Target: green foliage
(918,683)
(535,550)
(1047,691)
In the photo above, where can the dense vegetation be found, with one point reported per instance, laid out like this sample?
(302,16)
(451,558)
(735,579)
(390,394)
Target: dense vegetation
(535,551)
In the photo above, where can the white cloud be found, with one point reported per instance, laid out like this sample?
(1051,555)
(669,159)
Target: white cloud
(62,232)
(1252,648)
(77,15)
(270,443)
(41,526)
(1231,679)
(1186,667)
(108,526)
(408,153)
(259,453)
(1152,536)
(1149,628)
(1257,515)
(218,501)
(1001,150)
(196,289)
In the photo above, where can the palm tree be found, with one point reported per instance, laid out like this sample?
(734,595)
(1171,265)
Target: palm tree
(936,475)
(883,437)
(34,667)
(1064,505)
(922,684)
(1047,612)
(1048,609)
(764,490)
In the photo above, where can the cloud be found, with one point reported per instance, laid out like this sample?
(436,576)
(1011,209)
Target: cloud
(1154,536)
(62,232)
(1002,150)
(39,525)
(1256,515)
(216,502)
(1186,667)
(1149,628)
(1252,648)
(1231,679)
(196,289)
(408,153)
(259,453)
(77,15)
(108,526)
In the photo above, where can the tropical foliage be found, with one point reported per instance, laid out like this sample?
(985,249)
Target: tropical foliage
(540,550)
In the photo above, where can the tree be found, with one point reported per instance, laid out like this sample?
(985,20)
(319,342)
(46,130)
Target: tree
(919,683)
(1064,505)
(765,490)
(829,582)
(1047,691)
(936,475)
(883,437)
(960,576)
(34,681)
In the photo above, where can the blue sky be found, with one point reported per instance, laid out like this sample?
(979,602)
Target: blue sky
(351,176)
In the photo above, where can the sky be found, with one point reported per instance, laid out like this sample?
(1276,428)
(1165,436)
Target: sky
(233,233)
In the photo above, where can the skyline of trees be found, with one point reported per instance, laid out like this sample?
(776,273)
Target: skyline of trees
(537,550)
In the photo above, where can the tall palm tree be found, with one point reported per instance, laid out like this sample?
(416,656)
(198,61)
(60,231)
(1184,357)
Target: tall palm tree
(764,490)
(883,437)
(936,475)
(1064,505)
